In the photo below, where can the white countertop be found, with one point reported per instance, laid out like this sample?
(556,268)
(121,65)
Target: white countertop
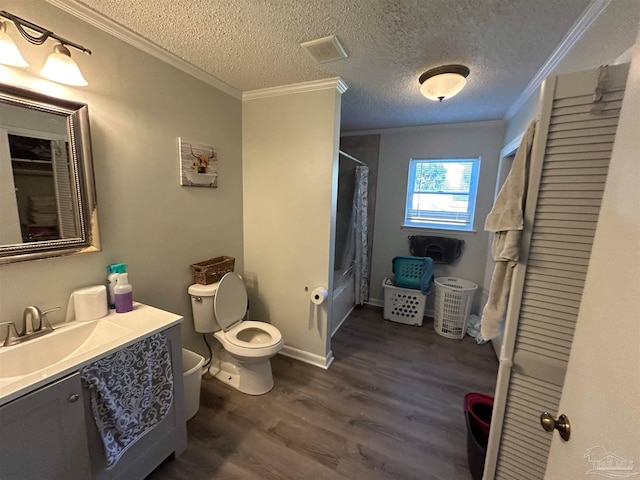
(139,323)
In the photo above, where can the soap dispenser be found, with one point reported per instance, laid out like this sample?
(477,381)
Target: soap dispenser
(123,294)
(114,272)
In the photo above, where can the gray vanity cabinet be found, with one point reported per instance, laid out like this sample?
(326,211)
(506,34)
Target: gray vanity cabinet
(50,433)
(43,434)
(168,437)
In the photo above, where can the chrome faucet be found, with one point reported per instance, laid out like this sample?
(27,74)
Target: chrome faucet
(34,324)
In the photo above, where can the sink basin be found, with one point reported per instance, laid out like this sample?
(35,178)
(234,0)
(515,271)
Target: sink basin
(64,342)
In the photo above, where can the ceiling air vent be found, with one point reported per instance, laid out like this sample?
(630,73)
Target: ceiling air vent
(324,50)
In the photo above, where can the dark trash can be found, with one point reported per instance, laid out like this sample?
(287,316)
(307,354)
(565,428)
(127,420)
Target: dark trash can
(477,411)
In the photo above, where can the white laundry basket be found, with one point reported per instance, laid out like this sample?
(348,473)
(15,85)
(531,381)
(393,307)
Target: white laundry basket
(403,305)
(192,375)
(452,306)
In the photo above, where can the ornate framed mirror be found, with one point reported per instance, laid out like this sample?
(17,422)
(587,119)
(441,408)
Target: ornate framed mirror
(48,203)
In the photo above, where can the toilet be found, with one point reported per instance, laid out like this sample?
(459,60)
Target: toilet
(246,346)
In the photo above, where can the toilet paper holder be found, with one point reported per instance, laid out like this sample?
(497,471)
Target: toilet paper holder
(319,295)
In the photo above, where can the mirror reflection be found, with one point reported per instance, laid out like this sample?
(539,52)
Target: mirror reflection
(47,195)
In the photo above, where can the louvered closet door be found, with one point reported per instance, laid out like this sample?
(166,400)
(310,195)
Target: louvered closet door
(65,195)
(568,173)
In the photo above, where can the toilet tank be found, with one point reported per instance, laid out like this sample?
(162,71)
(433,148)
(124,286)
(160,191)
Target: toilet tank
(204,320)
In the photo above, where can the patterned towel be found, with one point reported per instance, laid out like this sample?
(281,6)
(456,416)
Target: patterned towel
(131,392)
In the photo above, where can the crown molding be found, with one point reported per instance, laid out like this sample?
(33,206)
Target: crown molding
(590,14)
(115,29)
(423,128)
(327,83)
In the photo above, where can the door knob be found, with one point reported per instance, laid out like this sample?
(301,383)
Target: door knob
(562,425)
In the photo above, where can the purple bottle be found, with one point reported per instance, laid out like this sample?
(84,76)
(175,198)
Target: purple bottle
(123,294)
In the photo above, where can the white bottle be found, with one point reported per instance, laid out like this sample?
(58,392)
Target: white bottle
(111,285)
(123,294)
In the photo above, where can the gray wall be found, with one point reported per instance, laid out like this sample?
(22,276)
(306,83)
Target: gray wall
(397,146)
(138,108)
(611,34)
(366,148)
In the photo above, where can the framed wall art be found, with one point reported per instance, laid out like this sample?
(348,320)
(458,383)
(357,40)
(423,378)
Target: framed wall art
(198,164)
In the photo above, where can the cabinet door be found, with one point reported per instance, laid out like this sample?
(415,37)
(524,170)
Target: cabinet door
(43,434)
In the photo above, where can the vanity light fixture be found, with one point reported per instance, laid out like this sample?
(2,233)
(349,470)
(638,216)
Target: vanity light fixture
(443,82)
(59,66)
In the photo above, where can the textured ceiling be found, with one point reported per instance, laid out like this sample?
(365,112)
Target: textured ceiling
(254,44)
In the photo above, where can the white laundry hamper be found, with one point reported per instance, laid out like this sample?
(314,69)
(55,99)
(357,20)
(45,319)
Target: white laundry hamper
(403,305)
(454,297)
(192,376)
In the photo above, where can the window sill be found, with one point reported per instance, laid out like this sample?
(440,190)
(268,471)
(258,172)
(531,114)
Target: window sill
(464,233)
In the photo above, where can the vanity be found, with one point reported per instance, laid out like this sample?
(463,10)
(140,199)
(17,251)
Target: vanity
(47,429)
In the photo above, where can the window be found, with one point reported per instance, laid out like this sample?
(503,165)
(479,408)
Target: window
(441,193)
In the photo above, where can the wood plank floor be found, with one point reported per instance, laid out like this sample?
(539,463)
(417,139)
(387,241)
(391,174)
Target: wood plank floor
(390,407)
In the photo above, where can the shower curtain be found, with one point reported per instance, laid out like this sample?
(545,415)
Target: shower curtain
(360,206)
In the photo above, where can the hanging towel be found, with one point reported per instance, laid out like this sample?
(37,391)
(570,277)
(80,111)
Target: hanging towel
(506,220)
(131,392)
(426,279)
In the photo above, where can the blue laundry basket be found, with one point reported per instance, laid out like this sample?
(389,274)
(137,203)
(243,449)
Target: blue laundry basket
(410,272)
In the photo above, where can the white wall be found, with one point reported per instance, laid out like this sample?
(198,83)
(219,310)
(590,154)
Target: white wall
(397,146)
(138,107)
(290,147)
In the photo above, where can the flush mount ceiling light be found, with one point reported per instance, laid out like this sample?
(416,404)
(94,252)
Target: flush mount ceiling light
(443,82)
(59,66)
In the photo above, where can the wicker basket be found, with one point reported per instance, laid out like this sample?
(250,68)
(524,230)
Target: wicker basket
(212,270)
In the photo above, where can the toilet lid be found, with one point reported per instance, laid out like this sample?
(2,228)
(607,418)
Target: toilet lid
(230,302)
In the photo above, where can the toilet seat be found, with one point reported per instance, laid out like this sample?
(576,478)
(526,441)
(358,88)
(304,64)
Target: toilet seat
(267,335)
(240,348)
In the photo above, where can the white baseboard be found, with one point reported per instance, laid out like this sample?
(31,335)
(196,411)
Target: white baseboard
(376,302)
(308,357)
